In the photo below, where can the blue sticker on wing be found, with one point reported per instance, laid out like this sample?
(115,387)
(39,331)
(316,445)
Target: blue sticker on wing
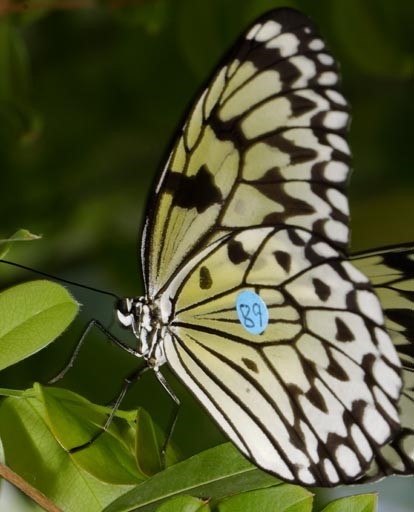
(252,312)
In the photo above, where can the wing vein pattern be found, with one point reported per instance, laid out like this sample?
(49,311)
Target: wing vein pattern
(391,271)
(253,199)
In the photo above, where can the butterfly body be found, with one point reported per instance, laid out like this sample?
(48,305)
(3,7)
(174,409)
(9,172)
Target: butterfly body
(250,297)
(143,317)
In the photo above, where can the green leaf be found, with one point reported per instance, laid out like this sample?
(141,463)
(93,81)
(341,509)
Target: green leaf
(2,461)
(32,315)
(359,503)
(74,421)
(283,498)
(33,452)
(21,235)
(12,392)
(148,449)
(216,472)
(150,443)
(184,504)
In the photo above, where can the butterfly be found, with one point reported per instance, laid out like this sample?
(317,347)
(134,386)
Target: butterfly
(250,296)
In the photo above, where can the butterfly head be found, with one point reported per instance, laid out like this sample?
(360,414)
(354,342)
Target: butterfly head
(135,314)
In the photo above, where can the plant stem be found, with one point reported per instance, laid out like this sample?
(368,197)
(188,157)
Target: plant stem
(27,489)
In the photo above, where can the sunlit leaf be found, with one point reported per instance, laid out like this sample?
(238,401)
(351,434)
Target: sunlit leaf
(21,235)
(283,498)
(32,315)
(217,472)
(74,421)
(359,503)
(32,451)
(184,504)
(13,392)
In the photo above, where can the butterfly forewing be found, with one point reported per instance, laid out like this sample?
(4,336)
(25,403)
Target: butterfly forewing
(269,132)
(252,200)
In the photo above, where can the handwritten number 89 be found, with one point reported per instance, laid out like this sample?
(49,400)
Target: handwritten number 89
(252,315)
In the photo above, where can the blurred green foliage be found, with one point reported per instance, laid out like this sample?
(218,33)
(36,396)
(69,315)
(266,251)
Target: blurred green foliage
(90,97)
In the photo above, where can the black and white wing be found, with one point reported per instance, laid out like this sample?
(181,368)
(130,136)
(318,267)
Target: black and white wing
(391,271)
(248,226)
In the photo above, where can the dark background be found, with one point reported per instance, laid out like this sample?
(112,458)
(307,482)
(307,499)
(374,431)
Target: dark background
(91,94)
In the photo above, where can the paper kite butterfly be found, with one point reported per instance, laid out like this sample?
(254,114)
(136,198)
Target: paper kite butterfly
(250,296)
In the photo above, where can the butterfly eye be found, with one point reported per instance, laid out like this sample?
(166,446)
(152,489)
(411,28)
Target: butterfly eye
(124,306)
(124,312)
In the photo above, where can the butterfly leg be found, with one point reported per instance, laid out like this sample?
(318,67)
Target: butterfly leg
(108,334)
(174,415)
(128,381)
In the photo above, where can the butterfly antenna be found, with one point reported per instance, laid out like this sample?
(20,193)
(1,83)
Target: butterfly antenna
(19,265)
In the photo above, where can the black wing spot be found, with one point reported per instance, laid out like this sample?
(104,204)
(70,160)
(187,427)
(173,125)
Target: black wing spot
(358,409)
(301,106)
(322,290)
(198,191)
(343,332)
(284,259)
(236,252)
(205,278)
(336,370)
(316,398)
(251,365)
(295,238)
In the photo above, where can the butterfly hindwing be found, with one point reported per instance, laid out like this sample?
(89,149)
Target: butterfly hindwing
(391,271)
(307,398)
